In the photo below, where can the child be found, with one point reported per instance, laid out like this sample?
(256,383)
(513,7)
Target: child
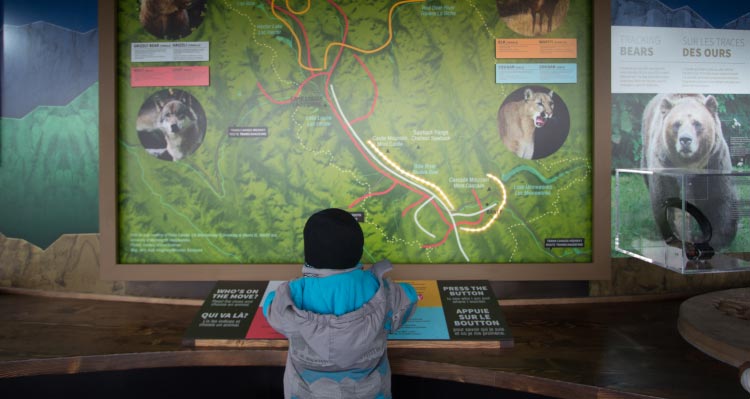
(337,316)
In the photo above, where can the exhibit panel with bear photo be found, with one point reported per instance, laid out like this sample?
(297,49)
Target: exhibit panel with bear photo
(680,132)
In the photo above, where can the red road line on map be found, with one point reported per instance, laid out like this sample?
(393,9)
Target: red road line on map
(346,30)
(362,198)
(343,40)
(481,215)
(331,104)
(447,233)
(309,59)
(450,227)
(440,212)
(301,26)
(415,203)
(375,94)
(445,238)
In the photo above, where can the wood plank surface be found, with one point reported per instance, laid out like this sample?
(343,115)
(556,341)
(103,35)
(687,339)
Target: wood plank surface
(584,350)
(718,323)
(284,344)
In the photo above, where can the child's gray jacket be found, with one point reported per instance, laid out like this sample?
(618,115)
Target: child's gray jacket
(341,356)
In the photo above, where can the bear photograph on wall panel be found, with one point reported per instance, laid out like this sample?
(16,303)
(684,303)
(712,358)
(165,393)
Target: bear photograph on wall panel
(680,100)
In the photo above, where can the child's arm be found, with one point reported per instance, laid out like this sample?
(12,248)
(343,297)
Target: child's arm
(402,297)
(278,310)
(403,301)
(267,303)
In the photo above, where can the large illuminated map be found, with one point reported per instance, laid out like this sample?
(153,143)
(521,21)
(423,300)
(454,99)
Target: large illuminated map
(386,109)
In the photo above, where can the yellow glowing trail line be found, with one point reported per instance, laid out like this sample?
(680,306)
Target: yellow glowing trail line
(328,48)
(497,213)
(427,183)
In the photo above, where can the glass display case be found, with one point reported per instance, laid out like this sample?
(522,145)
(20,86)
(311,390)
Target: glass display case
(688,221)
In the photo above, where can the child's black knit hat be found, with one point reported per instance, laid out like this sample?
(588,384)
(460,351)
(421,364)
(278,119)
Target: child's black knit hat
(333,240)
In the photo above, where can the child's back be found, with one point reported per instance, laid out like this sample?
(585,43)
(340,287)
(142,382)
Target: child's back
(338,316)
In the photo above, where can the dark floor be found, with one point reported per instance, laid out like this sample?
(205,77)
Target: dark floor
(214,382)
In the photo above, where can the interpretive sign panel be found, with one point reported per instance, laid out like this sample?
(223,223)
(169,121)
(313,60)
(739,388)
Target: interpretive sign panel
(680,94)
(449,314)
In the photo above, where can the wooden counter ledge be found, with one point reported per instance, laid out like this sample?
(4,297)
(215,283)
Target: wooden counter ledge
(605,348)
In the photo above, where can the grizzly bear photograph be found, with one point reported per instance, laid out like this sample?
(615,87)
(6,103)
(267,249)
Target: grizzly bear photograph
(171,19)
(684,131)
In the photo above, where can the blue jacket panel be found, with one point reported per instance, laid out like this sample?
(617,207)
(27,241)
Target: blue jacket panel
(337,294)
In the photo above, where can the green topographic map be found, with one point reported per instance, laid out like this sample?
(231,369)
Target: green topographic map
(386,109)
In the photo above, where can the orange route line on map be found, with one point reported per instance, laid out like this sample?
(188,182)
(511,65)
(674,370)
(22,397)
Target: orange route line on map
(331,45)
(307,8)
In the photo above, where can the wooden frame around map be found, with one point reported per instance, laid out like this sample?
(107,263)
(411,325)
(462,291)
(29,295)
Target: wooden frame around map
(597,269)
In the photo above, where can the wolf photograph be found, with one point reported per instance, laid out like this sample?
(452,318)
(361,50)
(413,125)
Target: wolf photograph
(171,125)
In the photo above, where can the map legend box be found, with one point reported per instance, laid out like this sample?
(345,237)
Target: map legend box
(536,48)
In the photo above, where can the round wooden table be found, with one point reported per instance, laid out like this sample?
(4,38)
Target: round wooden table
(718,323)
